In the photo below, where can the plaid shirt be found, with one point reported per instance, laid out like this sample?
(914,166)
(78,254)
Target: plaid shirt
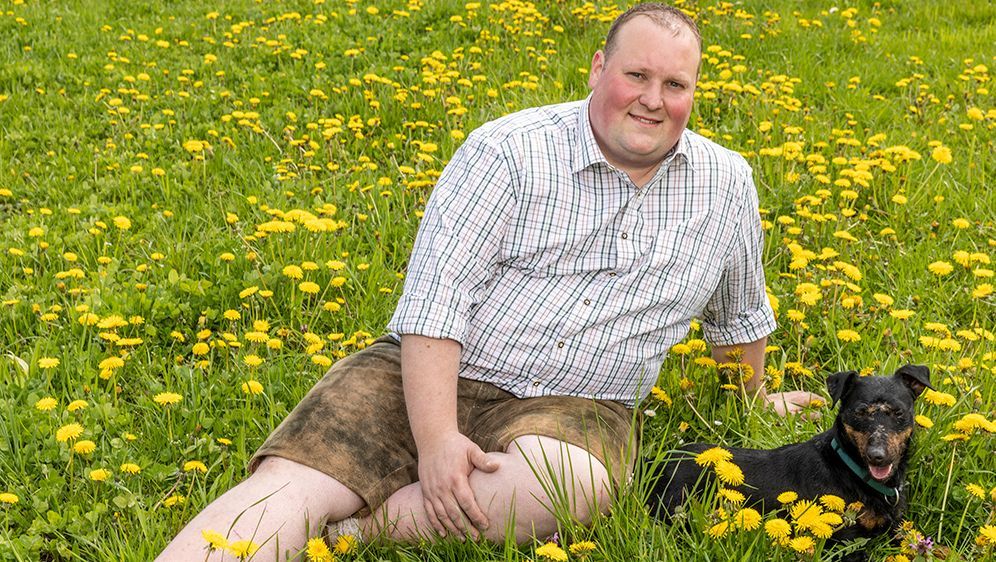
(560,277)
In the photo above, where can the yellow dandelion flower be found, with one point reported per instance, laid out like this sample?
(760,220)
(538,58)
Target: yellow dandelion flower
(318,551)
(77,405)
(582,548)
(719,529)
(231,315)
(938,398)
(321,360)
(309,287)
(732,496)
(551,551)
(787,497)
(48,363)
(802,544)
(122,223)
(848,336)
(167,398)
(982,291)
(833,503)
(252,387)
(191,466)
(175,499)
(729,473)
(901,314)
(130,468)
(46,404)
(940,268)
(778,529)
(976,490)
(293,271)
(987,534)
(200,348)
(113,362)
(252,360)
(215,540)
(970,422)
(660,395)
(923,421)
(243,548)
(345,544)
(84,447)
(9,498)
(100,474)
(68,432)
(747,519)
(710,457)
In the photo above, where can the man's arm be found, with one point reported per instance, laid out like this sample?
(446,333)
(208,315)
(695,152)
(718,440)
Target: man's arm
(753,355)
(429,368)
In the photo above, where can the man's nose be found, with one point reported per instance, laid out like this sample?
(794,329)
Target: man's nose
(652,98)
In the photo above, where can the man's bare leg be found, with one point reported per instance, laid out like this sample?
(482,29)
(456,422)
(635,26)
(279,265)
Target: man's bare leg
(512,491)
(283,503)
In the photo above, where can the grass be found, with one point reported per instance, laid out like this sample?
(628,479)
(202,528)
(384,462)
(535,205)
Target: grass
(335,118)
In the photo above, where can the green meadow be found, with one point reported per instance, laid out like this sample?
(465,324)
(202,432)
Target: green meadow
(203,205)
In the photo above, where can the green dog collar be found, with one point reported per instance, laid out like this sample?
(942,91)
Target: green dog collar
(862,472)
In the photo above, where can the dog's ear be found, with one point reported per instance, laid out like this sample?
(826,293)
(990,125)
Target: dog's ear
(837,384)
(915,377)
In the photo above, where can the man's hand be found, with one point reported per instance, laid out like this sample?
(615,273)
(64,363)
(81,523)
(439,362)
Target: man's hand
(444,465)
(793,402)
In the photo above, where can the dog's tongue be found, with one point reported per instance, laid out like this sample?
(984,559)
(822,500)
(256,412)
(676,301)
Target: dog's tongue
(880,472)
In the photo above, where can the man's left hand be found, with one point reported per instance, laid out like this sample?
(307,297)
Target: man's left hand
(793,402)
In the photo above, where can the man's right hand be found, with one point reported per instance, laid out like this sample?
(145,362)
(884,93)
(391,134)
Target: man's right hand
(444,467)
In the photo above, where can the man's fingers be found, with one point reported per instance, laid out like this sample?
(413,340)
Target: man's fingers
(483,461)
(430,512)
(473,511)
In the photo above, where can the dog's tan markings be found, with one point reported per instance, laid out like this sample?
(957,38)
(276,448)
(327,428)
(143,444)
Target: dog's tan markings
(870,520)
(897,442)
(860,439)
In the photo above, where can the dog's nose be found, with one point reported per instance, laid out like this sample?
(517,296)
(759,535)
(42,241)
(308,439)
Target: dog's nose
(876,454)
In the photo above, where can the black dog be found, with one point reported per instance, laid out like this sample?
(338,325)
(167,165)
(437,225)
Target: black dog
(861,458)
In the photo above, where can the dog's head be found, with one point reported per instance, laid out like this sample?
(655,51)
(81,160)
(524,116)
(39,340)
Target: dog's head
(876,414)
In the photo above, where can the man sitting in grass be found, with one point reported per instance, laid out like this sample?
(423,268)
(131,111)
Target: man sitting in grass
(564,250)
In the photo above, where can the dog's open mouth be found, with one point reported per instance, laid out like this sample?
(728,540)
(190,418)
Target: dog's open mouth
(880,473)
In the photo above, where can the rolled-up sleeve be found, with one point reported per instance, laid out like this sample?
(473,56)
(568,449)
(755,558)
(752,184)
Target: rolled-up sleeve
(739,311)
(458,244)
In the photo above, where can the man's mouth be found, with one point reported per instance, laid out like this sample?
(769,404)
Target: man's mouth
(880,473)
(644,120)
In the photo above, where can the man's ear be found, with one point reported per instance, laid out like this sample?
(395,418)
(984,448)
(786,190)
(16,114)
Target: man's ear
(838,383)
(597,63)
(915,377)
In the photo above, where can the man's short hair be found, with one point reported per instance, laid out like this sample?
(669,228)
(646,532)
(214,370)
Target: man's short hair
(663,15)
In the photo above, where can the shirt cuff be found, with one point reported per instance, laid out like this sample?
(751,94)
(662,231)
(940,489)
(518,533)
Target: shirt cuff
(746,327)
(427,318)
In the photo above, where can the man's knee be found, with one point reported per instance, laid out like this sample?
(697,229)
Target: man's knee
(302,481)
(566,472)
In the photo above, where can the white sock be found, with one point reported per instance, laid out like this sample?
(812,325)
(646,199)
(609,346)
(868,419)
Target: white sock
(348,526)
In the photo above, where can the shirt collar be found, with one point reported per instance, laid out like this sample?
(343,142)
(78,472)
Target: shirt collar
(587,153)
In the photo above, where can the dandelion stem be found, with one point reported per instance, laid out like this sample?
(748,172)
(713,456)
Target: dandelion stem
(947,490)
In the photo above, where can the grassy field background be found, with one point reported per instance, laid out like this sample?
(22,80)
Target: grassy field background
(205,204)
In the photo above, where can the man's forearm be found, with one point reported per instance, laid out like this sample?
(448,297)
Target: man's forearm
(753,355)
(429,368)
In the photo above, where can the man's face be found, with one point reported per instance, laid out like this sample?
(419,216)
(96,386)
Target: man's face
(642,94)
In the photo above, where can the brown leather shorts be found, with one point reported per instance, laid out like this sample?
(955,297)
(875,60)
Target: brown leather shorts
(353,425)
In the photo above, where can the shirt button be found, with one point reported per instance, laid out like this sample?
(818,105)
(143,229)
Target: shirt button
(536,383)
(560,344)
(587,301)
(612,274)
(624,236)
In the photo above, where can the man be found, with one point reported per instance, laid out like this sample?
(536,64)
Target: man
(564,250)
